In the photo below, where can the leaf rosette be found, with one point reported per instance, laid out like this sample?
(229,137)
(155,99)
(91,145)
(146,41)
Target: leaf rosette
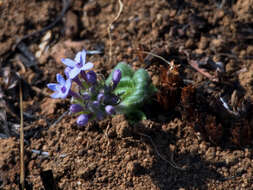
(134,89)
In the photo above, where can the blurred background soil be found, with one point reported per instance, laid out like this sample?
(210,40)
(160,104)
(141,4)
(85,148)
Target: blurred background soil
(199,132)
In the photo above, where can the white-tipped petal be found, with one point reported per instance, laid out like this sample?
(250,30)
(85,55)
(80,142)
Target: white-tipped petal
(87,66)
(68,62)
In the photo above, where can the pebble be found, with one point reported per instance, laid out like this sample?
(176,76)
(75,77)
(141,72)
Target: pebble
(156,80)
(230,159)
(123,129)
(189,43)
(133,167)
(210,153)
(247,153)
(203,43)
(92,8)
(87,172)
(71,25)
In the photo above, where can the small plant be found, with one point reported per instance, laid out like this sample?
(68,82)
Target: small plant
(124,91)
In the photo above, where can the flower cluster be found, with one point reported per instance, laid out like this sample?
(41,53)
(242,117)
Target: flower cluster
(95,99)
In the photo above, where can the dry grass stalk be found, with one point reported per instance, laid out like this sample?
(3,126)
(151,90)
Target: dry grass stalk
(22,168)
(110,26)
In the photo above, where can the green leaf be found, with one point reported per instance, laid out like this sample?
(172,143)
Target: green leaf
(125,69)
(123,92)
(125,82)
(134,99)
(134,88)
(141,78)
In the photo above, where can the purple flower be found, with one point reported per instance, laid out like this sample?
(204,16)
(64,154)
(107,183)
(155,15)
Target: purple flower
(110,109)
(100,97)
(67,70)
(95,104)
(75,108)
(91,77)
(78,64)
(82,120)
(62,89)
(116,77)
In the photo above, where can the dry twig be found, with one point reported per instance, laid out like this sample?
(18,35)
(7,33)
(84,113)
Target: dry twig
(22,168)
(171,161)
(157,56)
(202,71)
(110,26)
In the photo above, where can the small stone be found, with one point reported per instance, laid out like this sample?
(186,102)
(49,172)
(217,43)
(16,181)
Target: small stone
(230,159)
(217,42)
(71,25)
(92,8)
(203,43)
(127,157)
(203,147)
(48,107)
(247,153)
(123,129)
(87,172)
(189,43)
(133,167)
(210,153)
(156,80)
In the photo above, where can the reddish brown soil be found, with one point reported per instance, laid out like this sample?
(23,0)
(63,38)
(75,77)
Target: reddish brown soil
(190,141)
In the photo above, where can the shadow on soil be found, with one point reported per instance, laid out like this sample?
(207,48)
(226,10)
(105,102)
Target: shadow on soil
(198,172)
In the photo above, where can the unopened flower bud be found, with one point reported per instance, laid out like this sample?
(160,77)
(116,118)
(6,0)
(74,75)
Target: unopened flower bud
(83,75)
(86,96)
(116,77)
(75,108)
(100,97)
(91,77)
(92,90)
(95,104)
(110,109)
(82,120)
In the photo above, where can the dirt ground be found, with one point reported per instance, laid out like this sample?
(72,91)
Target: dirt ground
(199,131)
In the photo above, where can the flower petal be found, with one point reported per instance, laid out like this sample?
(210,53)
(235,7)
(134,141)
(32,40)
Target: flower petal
(55,95)
(68,85)
(83,56)
(74,72)
(63,96)
(78,57)
(87,66)
(110,110)
(52,86)
(60,79)
(82,120)
(75,108)
(67,70)
(68,62)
